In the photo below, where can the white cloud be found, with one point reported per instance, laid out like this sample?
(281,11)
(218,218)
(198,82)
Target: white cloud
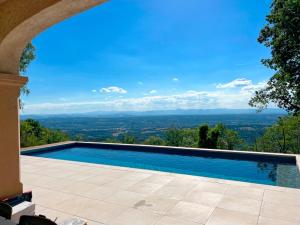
(175,79)
(186,100)
(191,99)
(94,91)
(240,82)
(113,89)
(254,87)
(153,92)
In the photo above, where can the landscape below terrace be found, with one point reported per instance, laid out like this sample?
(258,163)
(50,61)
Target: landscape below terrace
(101,127)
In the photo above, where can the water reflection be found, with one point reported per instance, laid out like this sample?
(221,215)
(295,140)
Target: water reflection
(285,175)
(269,169)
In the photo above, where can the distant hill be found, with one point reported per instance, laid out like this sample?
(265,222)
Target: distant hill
(162,112)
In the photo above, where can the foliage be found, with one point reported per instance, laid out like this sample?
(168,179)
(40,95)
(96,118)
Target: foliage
(28,55)
(282,35)
(282,137)
(218,137)
(153,140)
(174,137)
(32,133)
(128,139)
(228,139)
(181,137)
(78,137)
(112,140)
(208,137)
(203,133)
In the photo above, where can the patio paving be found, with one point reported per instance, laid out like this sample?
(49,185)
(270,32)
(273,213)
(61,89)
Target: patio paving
(112,195)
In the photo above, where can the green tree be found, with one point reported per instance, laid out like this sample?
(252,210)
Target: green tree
(28,55)
(153,140)
(228,139)
(173,137)
(208,137)
(214,137)
(282,137)
(218,137)
(32,133)
(203,136)
(190,137)
(128,139)
(181,137)
(282,35)
(112,140)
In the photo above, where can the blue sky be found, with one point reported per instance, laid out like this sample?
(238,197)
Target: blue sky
(150,55)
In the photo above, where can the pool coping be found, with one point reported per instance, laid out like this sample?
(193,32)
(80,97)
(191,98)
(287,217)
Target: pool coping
(218,153)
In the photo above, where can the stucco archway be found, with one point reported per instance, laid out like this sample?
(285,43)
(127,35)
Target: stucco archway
(20,22)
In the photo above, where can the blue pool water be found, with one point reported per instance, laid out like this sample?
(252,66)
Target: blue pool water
(278,174)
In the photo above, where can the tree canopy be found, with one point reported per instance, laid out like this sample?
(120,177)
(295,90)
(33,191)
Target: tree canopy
(282,137)
(32,133)
(218,137)
(28,55)
(282,35)
(153,140)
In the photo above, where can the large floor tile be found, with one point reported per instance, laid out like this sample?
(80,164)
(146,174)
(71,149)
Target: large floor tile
(172,192)
(245,192)
(110,173)
(245,205)
(91,209)
(278,197)
(51,198)
(212,187)
(166,220)
(121,184)
(159,179)
(281,211)
(100,211)
(59,184)
(191,211)
(126,198)
(99,180)
(79,188)
(100,193)
(134,176)
(144,188)
(204,198)
(228,217)
(71,206)
(268,221)
(158,205)
(136,217)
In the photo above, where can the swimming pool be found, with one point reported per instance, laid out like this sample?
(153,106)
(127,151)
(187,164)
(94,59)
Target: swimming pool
(278,171)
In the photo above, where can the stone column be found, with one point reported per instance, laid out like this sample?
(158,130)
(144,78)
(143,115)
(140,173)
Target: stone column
(10,183)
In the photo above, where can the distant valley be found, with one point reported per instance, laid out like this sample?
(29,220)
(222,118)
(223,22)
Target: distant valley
(97,127)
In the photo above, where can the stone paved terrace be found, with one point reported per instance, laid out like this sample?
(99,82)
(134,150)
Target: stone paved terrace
(123,196)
